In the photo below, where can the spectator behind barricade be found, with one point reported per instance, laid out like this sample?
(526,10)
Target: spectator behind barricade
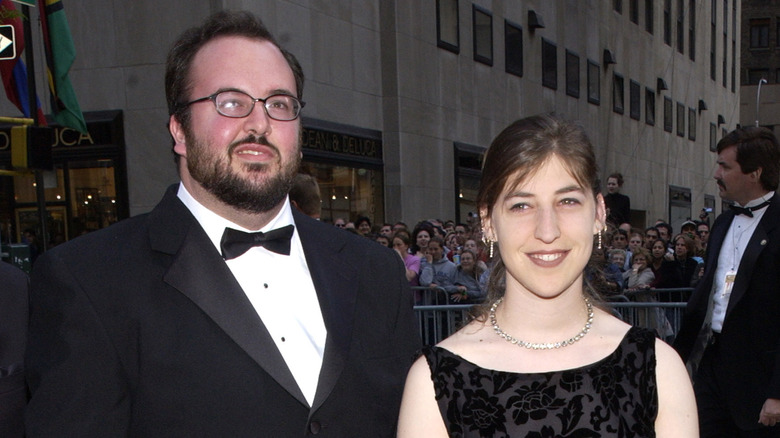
(620,241)
(640,276)
(703,231)
(400,226)
(618,204)
(687,264)
(452,248)
(421,235)
(13,336)
(449,226)
(463,233)
(438,272)
(305,195)
(613,269)
(651,235)
(477,248)
(663,269)
(381,239)
(363,226)
(401,243)
(466,288)
(664,232)
(387,230)
(634,241)
(339,222)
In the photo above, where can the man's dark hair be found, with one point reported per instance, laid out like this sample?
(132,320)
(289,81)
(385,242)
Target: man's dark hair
(756,148)
(220,24)
(668,227)
(305,193)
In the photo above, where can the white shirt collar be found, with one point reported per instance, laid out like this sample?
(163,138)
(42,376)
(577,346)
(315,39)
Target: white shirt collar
(215,225)
(760,200)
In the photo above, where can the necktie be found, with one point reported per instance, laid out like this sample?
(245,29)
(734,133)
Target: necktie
(235,242)
(748,211)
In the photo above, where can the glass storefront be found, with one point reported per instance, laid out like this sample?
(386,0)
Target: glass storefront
(86,190)
(347,163)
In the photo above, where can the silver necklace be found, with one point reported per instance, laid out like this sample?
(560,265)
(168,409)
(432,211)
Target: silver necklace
(543,346)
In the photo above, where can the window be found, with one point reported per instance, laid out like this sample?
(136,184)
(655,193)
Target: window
(513,48)
(725,40)
(634,90)
(468,170)
(680,119)
(759,33)
(713,137)
(649,11)
(572,74)
(483,35)
(692,124)
(649,107)
(668,22)
(713,37)
(617,94)
(777,76)
(594,83)
(756,74)
(549,64)
(681,26)
(692,30)
(617,5)
(734,46)
(447,28)
(668,114)
(633,11)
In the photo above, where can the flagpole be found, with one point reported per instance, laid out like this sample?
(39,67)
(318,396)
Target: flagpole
(32,104)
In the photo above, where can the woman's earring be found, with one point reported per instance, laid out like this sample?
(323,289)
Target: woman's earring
(599,239)
(489,243)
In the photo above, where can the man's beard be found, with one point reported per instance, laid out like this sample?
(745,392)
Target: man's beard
(255,193)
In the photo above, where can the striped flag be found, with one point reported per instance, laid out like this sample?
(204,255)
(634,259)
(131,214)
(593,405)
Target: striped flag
(60,54)
(13,71)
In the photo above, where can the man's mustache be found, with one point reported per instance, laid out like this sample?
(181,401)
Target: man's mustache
(252,139)
(720,183)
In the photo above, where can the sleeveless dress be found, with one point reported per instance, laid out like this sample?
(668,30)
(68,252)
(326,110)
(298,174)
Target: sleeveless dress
(614,397)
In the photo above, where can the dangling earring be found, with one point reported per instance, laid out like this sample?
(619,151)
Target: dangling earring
(599,239)
(488,242)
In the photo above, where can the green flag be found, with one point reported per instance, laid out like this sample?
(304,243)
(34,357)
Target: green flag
(60,54)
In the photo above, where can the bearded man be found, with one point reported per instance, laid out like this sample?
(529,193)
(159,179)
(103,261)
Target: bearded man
(223,312)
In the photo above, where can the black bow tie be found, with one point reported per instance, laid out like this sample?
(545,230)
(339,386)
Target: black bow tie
(235,242)
(748,211)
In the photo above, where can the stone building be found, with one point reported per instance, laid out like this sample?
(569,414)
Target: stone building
(403,97)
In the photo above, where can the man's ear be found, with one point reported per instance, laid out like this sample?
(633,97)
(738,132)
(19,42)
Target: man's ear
(179,138)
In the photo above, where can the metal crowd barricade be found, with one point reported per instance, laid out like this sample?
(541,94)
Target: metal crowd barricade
(438,317)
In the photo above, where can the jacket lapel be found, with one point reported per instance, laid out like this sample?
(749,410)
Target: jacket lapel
(199,272)
(334,276)
(755,246)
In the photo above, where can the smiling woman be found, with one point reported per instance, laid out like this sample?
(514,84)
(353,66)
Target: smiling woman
(541,334)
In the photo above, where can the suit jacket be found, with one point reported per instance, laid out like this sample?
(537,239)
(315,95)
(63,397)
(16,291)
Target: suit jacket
(140,329)
(748,361)
(13,333)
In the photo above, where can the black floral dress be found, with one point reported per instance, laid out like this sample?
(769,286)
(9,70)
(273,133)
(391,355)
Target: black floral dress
(614,397)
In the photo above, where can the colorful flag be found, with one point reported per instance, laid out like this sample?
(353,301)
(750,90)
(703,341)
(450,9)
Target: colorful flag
(13,71)
(60,54)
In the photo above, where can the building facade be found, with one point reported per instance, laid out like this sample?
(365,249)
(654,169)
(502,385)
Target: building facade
(404,96)
(760,60)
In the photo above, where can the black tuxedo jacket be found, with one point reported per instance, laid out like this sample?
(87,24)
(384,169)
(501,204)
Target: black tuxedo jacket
(141,330)
(748,360)
(13,332)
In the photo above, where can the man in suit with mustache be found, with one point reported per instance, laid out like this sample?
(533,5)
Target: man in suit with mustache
(175,323)
(733,313)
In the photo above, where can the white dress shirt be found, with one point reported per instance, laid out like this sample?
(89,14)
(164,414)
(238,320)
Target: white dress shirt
(734,244)
(281,290)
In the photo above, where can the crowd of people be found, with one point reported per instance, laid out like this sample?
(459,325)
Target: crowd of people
(631,262)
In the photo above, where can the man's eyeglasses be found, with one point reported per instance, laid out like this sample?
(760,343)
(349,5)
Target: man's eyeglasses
(237,104)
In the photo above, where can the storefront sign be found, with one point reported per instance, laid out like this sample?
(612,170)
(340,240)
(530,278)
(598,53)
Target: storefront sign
(340,143)
(99,132)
